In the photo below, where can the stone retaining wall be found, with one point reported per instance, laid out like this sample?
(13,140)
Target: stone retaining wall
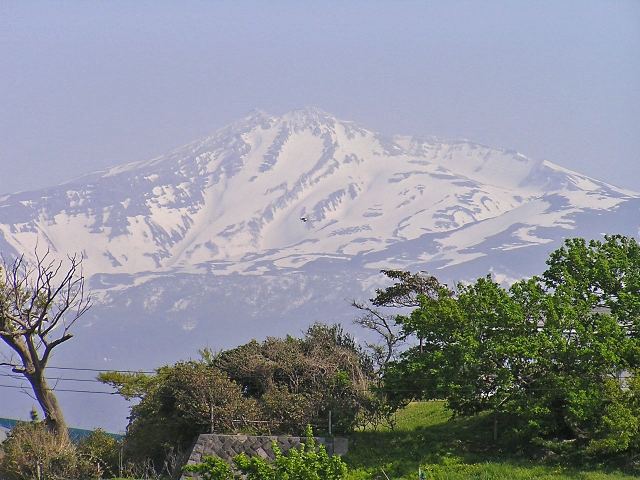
(228,446)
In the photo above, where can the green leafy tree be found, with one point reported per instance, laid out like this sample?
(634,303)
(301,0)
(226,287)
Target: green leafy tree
(549,353)
(407,289)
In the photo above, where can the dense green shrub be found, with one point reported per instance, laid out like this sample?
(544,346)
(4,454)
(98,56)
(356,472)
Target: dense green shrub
(212,468)
(101,454)
(187,399)
(298,381)
(275,387)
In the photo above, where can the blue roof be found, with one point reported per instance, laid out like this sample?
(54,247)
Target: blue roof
(74,433)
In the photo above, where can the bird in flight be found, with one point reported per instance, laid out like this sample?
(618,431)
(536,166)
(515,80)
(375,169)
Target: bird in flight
(304,219)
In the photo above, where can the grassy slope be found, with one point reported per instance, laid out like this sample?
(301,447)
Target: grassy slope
(425,436)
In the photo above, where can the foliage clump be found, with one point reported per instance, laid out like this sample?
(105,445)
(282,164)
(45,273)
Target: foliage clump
(31,452)
(100,454)
(274,387)
(298,381)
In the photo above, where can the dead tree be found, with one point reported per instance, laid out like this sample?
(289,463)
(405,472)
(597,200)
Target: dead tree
(39,302)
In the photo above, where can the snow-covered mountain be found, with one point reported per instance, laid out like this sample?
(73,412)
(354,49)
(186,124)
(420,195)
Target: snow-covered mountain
(274,222)
(234,201)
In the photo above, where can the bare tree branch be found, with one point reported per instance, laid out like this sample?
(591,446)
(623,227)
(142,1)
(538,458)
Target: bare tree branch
(385,326)
(39,303)
(404,293)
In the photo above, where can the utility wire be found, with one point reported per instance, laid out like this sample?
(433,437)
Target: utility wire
(22,387)
(56,379)
(103,370)
(417,392)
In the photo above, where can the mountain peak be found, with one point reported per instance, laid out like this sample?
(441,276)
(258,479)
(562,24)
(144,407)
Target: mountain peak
(253,119)
(309,112)
(299,119)
(309,117)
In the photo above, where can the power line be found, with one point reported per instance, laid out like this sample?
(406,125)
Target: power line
(99,370)
(103,370)
(514,388)
(22,387)
(56,379)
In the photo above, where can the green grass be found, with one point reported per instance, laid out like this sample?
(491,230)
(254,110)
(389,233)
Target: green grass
(427,437)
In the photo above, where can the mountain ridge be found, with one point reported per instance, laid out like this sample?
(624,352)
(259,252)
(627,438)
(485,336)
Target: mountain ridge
(180,208)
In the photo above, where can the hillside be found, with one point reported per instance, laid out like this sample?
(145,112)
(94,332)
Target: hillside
(426,437)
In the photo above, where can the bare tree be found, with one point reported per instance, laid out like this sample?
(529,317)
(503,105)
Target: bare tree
(39,302)
(385,326)
(404,293)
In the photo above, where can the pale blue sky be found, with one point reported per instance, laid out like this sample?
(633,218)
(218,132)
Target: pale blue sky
(86,85)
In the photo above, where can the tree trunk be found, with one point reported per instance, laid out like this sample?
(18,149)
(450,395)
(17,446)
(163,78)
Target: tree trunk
(53,418)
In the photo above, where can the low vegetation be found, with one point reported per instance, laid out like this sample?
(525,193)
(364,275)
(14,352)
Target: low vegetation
(276,387)
(31,451)
(427,438)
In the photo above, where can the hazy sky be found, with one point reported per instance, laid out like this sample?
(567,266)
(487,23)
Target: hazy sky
(86,85)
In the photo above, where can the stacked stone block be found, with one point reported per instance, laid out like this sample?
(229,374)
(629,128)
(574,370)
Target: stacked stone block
(228,446)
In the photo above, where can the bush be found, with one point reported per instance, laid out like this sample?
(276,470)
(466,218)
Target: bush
(298,381)
(32,452)
(101,454)
(189,398)
(274,387)
(212,468)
